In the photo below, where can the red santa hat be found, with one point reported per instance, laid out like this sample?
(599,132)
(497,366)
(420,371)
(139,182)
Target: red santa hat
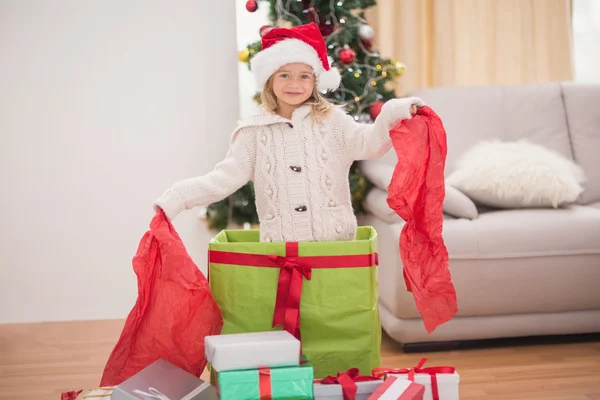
(303,44)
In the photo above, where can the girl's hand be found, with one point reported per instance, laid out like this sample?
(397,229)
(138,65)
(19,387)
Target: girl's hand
(414,109)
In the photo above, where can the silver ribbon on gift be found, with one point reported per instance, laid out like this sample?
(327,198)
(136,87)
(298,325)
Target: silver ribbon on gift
(152,393)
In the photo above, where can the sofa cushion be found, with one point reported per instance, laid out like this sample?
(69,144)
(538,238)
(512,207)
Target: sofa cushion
(378,173)
(494,286)
(376,204)
(508,262)
(583,115)
(512,112)
(501,234)
(456,203)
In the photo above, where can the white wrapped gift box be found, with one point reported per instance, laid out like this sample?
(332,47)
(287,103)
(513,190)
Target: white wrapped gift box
(242,351)
(447,384)
(334,391)
(446,378)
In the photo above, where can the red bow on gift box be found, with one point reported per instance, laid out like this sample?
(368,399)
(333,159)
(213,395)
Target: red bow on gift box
(347,380)
(418,369)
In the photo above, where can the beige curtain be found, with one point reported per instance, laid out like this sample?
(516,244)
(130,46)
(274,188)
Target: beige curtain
(473,42)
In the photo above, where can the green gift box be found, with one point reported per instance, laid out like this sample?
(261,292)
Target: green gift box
(275,383)
(325,293)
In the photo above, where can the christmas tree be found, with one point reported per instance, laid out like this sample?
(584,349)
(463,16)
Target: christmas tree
(367,80)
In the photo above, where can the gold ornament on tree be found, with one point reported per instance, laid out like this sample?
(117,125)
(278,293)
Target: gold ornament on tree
(400,68)
(244,55)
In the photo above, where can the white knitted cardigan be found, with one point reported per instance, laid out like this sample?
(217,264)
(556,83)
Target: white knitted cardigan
(299,168)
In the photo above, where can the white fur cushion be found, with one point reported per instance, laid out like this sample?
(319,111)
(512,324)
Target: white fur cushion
(516,175)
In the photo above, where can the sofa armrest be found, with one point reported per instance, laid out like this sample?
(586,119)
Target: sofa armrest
(456,203)
(378,173)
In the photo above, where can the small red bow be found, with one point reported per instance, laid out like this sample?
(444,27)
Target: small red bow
(292,263)
(347,380)
(418,369)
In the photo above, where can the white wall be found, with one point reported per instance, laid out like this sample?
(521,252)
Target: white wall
(248,28)
(103,105)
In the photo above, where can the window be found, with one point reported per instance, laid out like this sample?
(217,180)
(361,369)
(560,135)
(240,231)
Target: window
(586,40)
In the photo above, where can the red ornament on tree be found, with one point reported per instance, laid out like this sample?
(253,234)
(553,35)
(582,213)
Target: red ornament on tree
(347,56)
(368,44)
(326,28)
(251,5)
(375,109)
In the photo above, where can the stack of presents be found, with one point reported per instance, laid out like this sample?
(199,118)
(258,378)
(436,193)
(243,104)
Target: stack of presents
(268,365)
(299,321)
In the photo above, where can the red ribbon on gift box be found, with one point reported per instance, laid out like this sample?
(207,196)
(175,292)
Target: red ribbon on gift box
(289,289)
(264,384)
(418,369)
(293,269)
(347,380)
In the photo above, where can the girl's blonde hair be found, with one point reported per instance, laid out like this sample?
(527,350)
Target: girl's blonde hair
(320,105)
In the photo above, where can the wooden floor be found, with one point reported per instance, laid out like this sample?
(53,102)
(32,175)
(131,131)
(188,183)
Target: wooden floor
(39,361)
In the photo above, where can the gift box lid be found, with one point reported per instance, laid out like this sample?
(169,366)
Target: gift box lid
(302,372)
(162,378)
(365,387)
(251,338)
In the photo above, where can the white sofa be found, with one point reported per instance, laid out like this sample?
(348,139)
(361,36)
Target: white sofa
(517,272)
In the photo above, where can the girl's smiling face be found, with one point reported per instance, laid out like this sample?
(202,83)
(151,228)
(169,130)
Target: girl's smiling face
(293,84)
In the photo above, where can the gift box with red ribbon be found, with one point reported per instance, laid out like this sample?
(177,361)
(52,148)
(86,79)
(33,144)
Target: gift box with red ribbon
(398,389)
(324,293)
(441,382)
(347,385)
(267,383)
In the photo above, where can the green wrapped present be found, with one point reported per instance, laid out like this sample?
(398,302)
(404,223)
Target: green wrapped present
(274,383)
(324,293)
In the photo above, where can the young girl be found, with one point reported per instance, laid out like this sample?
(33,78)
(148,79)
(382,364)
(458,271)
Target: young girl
(298,151)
